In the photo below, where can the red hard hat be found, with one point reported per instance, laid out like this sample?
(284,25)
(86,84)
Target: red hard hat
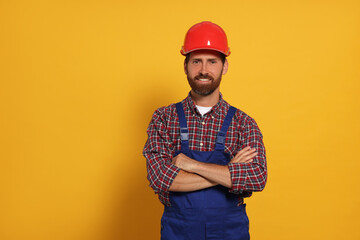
(205,35)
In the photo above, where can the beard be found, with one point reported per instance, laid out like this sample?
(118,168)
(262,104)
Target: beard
(204,89)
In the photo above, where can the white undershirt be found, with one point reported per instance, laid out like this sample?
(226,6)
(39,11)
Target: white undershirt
(203,110)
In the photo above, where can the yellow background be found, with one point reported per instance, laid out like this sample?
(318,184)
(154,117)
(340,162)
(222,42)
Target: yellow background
(79,81)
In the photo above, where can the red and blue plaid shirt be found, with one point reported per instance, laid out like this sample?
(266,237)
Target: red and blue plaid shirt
(164,139)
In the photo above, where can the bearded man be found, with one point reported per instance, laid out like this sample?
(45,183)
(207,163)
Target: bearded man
(203,155)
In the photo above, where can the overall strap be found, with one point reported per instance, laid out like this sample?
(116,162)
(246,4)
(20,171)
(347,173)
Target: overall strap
(184,132)
(220,139)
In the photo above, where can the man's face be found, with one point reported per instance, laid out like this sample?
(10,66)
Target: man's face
(204,71)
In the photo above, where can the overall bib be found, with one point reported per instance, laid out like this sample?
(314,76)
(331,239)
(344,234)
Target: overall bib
(211,213)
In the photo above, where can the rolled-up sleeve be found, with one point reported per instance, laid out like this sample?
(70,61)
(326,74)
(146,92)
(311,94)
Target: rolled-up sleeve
(158,152)
(249,177)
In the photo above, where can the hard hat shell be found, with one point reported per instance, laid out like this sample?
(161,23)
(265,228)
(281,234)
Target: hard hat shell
(205,35)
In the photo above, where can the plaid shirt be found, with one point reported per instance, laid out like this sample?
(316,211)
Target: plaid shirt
(164,139)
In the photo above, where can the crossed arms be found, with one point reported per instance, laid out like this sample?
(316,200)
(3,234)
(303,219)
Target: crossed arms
(195,175)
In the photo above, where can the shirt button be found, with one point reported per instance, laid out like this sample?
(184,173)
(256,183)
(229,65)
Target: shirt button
(203,123)
(212,117)
(201,144)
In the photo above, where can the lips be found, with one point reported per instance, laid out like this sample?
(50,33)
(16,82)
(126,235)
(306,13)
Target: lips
(203,78)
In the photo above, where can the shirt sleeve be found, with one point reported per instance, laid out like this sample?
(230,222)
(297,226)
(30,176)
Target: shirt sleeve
(249,177)
(158,152)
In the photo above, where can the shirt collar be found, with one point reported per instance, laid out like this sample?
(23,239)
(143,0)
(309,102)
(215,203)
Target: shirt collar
(214,110)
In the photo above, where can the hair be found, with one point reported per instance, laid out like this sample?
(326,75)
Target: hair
(222,56)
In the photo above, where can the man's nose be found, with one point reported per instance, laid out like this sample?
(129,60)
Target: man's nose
(204,69)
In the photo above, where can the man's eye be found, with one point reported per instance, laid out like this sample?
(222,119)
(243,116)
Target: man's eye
(213,62)
(195,61)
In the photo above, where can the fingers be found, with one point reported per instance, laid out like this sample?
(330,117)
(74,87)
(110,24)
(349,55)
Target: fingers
(246,155)
(245,151)
(248,158)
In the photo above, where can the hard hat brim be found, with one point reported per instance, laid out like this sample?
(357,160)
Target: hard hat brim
(184,53)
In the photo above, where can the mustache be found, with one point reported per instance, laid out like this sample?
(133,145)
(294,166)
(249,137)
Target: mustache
(204,76)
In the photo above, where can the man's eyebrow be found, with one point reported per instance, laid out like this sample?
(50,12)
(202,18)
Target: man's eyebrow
(209,59)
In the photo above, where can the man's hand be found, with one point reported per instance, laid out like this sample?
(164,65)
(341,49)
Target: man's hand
(246,155)
(184,162)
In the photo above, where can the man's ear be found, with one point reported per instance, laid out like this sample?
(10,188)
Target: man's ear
(225,67)
(185,65)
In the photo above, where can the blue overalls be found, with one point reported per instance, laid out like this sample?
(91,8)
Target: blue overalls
(211,213)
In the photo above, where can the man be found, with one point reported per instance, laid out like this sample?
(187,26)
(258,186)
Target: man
(203,155)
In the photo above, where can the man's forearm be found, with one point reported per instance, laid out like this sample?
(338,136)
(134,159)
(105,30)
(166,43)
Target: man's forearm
(213,172)
(187,182)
